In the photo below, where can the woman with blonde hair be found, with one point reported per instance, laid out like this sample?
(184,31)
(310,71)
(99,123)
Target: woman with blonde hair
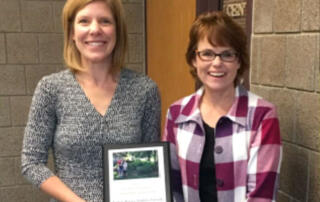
(94,102)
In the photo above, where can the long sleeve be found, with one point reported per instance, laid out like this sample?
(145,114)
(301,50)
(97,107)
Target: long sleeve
(176,180)
(265,158)
(38,135)
(152,115)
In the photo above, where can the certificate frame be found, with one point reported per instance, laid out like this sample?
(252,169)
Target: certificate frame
(137,172)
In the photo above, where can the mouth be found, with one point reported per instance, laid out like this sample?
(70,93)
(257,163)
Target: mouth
(95,43)
(216,74)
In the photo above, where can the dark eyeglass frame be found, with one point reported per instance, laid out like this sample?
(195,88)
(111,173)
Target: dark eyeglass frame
(222,55)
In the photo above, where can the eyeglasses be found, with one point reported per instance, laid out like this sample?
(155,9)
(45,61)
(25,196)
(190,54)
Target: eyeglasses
(209,55)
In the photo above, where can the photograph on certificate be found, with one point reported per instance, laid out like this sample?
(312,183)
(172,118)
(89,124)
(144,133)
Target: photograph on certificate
(135,164)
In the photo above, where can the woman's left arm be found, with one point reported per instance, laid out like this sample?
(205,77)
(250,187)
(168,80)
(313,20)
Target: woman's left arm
(152,115)
(265,156)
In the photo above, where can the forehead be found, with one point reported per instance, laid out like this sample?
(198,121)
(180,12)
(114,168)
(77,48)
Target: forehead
(204,43)
(95,8)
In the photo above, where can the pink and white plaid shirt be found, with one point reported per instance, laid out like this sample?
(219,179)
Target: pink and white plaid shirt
(247,152)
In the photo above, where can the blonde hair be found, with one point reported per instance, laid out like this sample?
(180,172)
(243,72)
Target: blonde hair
(71,54)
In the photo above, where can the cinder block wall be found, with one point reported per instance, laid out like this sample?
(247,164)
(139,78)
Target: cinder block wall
(285,70)
(31,47)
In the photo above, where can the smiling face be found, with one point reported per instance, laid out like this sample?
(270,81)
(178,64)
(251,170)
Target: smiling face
(216,75)
(94,33)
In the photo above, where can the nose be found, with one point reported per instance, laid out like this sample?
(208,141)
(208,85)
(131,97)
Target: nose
(217,61)
(94,27)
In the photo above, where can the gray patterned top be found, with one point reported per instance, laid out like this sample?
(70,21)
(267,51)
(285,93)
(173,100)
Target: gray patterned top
(61,117)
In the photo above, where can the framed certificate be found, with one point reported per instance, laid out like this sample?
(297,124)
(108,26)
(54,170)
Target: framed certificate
(137,173)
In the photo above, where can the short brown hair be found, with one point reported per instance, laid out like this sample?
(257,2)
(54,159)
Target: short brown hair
(220,30)
(70,52)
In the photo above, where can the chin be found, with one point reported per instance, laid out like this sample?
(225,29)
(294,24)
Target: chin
(97,59)
(214,87)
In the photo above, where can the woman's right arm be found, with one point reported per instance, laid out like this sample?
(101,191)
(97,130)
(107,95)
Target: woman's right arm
(57,189)
(38,138)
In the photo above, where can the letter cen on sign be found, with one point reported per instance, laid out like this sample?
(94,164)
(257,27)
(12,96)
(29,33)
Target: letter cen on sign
(235,9)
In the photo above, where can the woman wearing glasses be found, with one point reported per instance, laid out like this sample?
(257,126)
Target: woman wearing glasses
(225,141)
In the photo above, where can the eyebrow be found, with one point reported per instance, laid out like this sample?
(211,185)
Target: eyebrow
(227,50)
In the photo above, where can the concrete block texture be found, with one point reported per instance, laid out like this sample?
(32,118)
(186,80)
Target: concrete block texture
(294,172)
(12,80)
(317,78)
(11,171)
(287,15)
(285,102)
(273,52)
(135,17)
(37,16)
(20,109)
(308,120)
(136,50)
(22,48)
(285,70)
(35,72)
(310,15)
(314,187)
(26,193)
(262,16)
(282,197)
(51,48)
(57,13)
(2,49)
(255,59)
(5,117)
(11,141)
(302,60)
(10,16)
